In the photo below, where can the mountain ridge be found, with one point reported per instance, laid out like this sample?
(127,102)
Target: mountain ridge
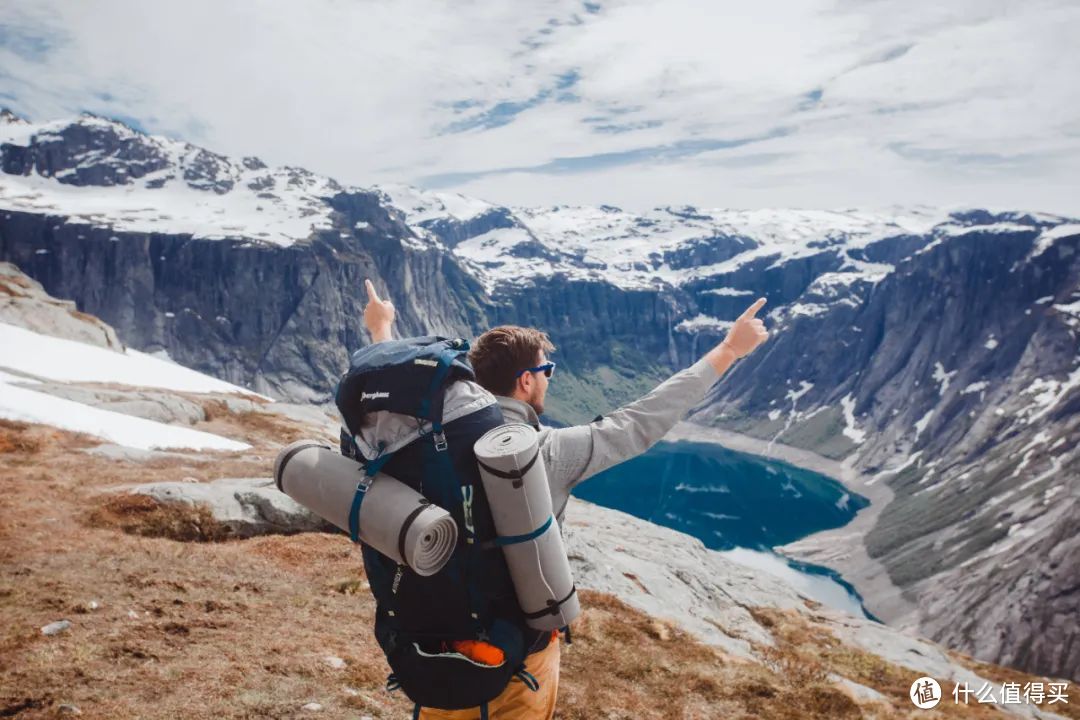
(918,351)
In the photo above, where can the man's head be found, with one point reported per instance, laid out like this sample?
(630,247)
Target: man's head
(503,359)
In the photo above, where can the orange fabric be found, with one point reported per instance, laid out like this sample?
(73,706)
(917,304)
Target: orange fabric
(481,652)
(517,702)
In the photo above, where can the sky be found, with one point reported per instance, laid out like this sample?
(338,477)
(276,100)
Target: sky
(829,104)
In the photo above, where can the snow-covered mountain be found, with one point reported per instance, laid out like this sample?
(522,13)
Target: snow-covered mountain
(934,352)
(161,185)
(681,246)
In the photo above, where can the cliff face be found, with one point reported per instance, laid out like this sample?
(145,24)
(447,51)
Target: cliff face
(278,319)
(933,351)
(954,381)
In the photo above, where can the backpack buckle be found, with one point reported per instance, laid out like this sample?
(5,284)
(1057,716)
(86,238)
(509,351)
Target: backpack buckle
(365,483)
(440,441)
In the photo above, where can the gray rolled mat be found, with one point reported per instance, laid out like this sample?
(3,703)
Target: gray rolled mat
(394,519)
(515,482)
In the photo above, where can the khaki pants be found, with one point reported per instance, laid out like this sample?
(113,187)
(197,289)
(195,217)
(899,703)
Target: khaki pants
(517,702)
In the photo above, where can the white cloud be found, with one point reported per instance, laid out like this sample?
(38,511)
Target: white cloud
(843,103)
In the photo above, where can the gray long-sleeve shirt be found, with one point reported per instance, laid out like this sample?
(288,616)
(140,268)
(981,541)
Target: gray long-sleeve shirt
(575,453)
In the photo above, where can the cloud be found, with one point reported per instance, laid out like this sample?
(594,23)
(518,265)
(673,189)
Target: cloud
(791,103)
(590,163)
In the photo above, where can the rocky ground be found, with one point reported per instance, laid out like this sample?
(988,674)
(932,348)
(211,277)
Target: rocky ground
(168,612)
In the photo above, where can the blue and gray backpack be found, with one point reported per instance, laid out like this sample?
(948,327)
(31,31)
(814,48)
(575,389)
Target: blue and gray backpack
(472,597)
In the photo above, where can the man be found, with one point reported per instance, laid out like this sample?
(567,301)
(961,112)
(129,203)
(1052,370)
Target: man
(511,362)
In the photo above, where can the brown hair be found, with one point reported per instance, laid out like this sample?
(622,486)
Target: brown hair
(502,352)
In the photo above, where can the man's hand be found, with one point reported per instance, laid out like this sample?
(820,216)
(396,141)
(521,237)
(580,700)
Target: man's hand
(378,315)
(746,334)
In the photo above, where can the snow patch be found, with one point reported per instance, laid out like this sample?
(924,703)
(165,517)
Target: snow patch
(1072,308)
(907,463)
(35,407)
(422,206)
(54,359)
(850,429)
(1049,236)
(921,424)
(807,309)
(703,322)
(794,395)
(942,377)
(1049,392)
(727,292)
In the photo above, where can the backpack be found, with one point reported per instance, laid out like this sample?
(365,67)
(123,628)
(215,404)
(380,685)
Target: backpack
(472,597)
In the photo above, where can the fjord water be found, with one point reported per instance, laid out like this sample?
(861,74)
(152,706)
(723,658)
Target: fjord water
(734,502)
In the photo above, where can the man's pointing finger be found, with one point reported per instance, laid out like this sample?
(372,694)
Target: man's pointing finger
(371,294)
(754,308)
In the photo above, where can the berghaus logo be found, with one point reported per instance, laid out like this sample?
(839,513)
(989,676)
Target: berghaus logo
(373,395)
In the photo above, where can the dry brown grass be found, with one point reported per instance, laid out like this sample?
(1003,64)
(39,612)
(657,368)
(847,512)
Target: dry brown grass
(18,438)
(804,649)
(182,630)
(254,426)
(797,667)
(143,515)
(239,629)
(624,664)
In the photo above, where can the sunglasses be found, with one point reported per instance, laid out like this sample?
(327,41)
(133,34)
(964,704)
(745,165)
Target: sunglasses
(547,368)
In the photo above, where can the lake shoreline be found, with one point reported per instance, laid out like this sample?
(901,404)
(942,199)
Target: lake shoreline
(842,549)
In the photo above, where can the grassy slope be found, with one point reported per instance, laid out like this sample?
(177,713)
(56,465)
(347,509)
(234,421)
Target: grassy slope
(239,628)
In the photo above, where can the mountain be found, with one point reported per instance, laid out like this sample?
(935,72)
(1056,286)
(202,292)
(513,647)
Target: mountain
(933,354)
(188,561)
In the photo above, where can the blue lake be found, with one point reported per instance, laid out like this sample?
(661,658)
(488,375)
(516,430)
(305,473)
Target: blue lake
(738,503)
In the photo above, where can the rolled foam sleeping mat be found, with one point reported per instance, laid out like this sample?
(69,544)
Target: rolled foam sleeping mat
(394,519)
(516,485)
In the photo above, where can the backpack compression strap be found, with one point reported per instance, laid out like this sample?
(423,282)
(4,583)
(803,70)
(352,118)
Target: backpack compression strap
(370,470)
(432,404)
(515,539)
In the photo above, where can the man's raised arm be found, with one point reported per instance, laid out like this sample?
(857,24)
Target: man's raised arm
(579,452)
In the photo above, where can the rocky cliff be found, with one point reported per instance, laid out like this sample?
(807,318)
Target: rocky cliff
(934,352)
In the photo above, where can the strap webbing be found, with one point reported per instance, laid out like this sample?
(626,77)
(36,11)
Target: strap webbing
(515,539)
(484,712)
(431,405)
(552,608)
(416,712)
(370,470)
(512,474)
(462,567)
(528,678)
